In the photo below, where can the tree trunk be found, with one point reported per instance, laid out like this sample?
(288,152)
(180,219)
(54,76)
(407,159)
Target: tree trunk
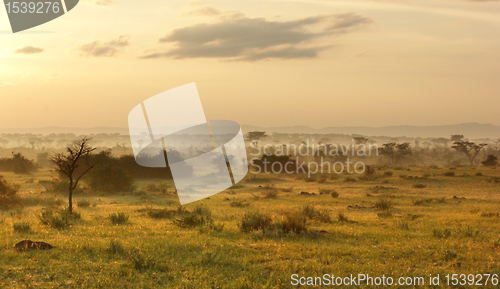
(70,200)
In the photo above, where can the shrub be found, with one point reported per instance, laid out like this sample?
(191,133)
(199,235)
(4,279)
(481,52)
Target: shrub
(55,186)
(161,213)
(254,221)
(109,179)
(21,227)
(239,203)
(53,220)
(83,203)
(385,214)
(295,223)
(420,186)
(387,174)
(118,218)
(442,233)
(383,205)
(333,193)
(490,215)
(191,220)
(115,247)
(449,174)
(342,218)
(449,255)
(203,211)
(162,187)
(312,213)
(201,215)
(270,194)
(421,202)
(143,262)
(8,194)
(490,161)
(403,225)
(18,164)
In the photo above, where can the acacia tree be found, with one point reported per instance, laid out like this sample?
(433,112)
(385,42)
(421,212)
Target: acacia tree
(255,136)
(457,137)
(68,163)
(395,152)
(360,140)
(469,148)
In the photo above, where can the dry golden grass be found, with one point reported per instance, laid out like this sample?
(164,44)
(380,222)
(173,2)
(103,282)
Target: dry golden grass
(456,232)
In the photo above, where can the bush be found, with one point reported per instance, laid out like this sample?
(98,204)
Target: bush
(254,221)
(18,164)
(8,194)
(83,204)
(115,247)
(383,205)
(270,194)
(385,214)
(118,218)
(295,223)
(449,174)
(313,214)
(190,220)
(333,193)
(21,227)
(162,187)
(239,203)
(342,218)
(201,215)
(442,233)
(56,221)
(490,161)
(161,213)
(109,179)
(387,174)
(419,186)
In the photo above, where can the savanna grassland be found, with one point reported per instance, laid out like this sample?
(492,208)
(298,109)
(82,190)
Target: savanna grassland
(414,221)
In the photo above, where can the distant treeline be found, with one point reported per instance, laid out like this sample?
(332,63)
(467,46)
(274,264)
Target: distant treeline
(19,164)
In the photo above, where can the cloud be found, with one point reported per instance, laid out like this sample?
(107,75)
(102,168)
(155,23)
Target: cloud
(206,11)
(29,50)
(106,49)
(251,39)
(104,3)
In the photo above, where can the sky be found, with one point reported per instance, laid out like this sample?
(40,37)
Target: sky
(317,63)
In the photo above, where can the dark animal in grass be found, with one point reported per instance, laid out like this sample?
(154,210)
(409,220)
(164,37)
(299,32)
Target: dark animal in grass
(27,244)
(307,193)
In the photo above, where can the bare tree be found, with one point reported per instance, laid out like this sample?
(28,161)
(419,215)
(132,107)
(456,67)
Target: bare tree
(68,163)
(470,149)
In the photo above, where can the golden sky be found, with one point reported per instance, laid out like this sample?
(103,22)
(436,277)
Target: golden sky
(316,63)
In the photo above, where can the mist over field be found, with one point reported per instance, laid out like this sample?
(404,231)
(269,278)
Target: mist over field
(381,205)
